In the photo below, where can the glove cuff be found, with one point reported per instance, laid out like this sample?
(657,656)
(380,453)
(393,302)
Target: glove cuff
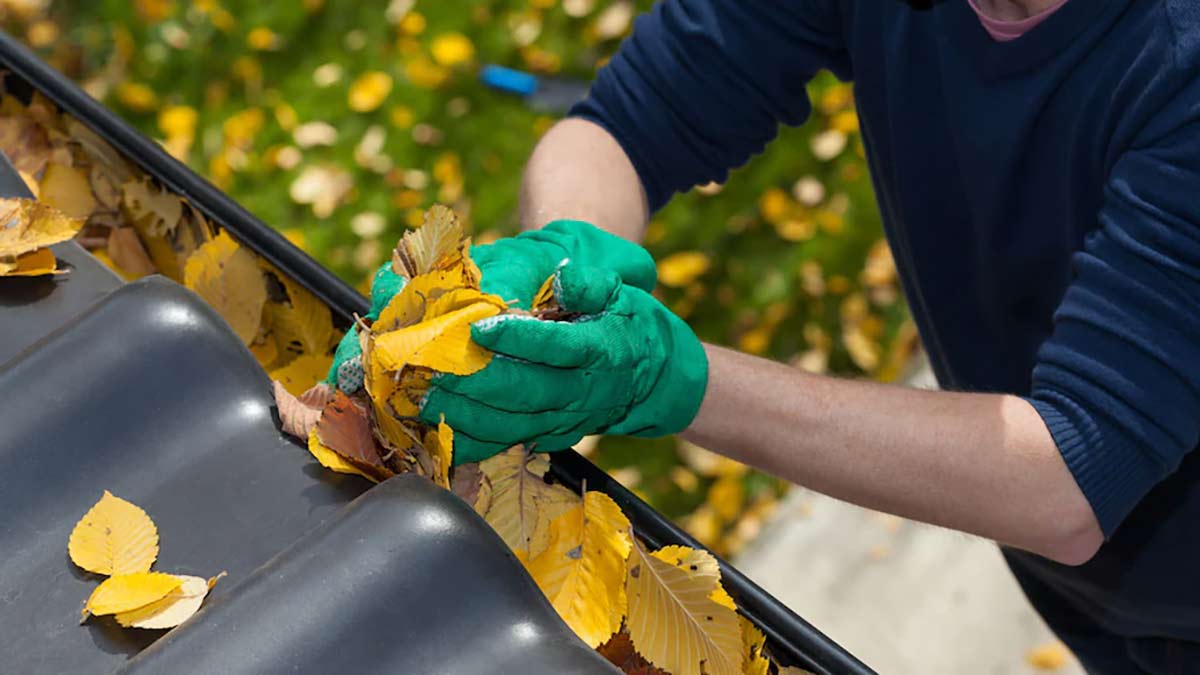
(674,400)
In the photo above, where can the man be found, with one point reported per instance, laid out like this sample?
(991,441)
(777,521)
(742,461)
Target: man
(1039,197)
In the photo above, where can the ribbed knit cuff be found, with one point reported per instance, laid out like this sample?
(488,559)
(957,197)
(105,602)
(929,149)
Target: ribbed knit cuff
(1112,477)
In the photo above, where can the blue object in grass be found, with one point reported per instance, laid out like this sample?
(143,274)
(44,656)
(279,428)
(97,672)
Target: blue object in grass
(552,95)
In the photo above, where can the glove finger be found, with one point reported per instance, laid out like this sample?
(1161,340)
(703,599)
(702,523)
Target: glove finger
(585,289)
(515,268)
(603,249)
(517,386)
(559,344)
(349,348)
(384,286)
(469,449)
(485,423)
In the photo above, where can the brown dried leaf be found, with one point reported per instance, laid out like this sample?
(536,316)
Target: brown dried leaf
(127,253)
(25,142)
(300,414)
(466,482)
(435,244)
(345,428)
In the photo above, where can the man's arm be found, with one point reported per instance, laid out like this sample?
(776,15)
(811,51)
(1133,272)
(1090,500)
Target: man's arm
(979,463)
(579,172)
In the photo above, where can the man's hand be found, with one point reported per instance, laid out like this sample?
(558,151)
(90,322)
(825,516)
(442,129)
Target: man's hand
(625,365)
(513,269)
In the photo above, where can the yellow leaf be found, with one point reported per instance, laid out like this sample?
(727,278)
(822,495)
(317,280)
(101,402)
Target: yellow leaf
(27,225)
(460,298)
(330,459)
(680,269)
(369,91)
(408,306)
(227,276)
(304,325)
(424,73)
(520,505)
(391,431)
(727,496)
(172,609)
(452,49)
(753,641)
(722,598)
(439,443)
(582,569)
(436,244)
(114,537)
(1050,656)
(35,264)
(303,372)
(265,351)
(178,121)
(127,592)
(672,620)
(544,299)
(67,189)
(262,38)
(153,210)
(137,96)
(708,463)
(442,343)
(695,561)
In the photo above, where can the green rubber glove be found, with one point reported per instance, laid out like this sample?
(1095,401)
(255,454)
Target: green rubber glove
(513,268)
(625,365)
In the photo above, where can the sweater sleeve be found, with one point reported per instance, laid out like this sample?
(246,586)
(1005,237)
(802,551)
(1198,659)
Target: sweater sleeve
(1118,381)
(702,85)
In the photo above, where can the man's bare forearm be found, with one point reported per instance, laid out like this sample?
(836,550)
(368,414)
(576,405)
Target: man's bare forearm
(979,463)
(578,171)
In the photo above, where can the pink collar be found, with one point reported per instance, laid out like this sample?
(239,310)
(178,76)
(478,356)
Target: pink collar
(1005,31)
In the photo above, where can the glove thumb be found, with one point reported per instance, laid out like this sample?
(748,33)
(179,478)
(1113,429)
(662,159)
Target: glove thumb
(584,289)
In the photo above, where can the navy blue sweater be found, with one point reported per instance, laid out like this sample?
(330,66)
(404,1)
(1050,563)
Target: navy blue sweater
(1042,201)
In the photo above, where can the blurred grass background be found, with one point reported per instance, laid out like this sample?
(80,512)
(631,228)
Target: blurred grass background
(339,121)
